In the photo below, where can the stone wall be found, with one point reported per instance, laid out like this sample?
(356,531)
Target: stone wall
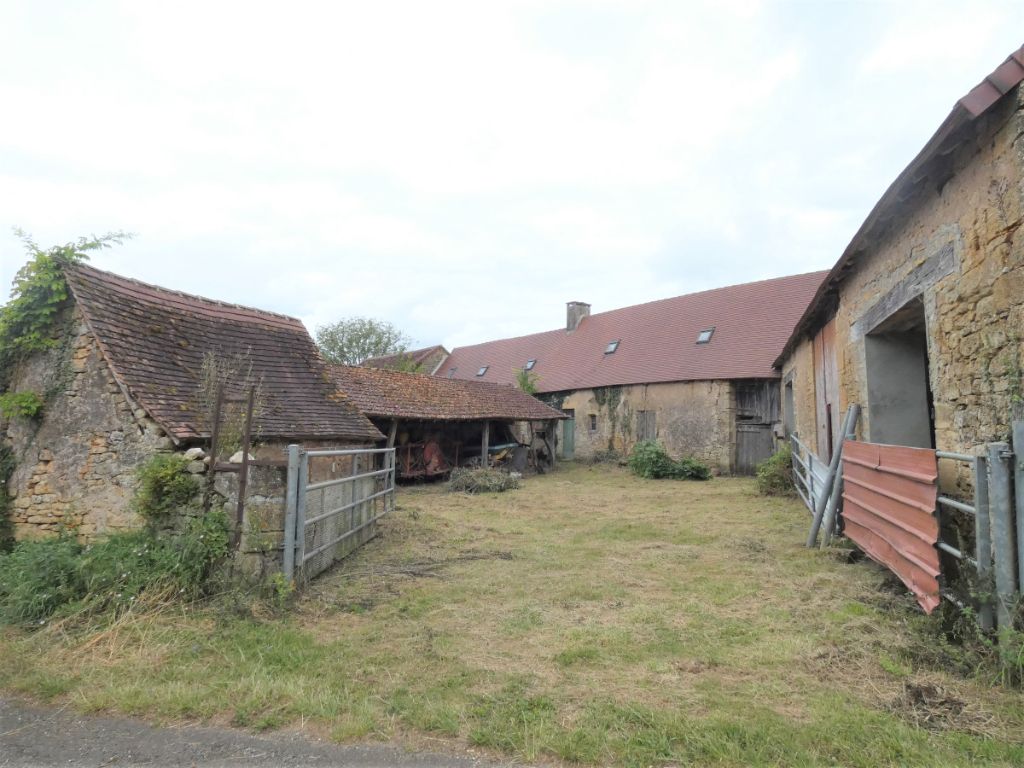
(799,369)
(956,244)
(76,465)
(692,419)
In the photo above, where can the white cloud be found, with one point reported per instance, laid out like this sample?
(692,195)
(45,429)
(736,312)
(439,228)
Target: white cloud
(464,168)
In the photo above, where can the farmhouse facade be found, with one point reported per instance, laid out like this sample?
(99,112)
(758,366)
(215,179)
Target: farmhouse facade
(694,372)
(921,320)
(125,380)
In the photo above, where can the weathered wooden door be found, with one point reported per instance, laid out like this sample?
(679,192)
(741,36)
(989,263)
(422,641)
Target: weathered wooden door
(569,434)
(754,444)
(757,410)
(826,390)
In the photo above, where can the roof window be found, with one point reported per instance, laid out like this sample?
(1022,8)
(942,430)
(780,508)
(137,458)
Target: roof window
(529,365)
(483,370)
(451,372)
(612,346)
(705,336)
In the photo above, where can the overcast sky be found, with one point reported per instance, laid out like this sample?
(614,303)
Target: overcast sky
(464,169)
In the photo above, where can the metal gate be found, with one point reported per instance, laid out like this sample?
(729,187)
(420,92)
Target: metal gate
(334,500)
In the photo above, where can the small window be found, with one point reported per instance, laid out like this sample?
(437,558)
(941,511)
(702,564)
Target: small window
(612,346)
(483,370)
(451,372)
(593,422)
(705,336)
(529,365)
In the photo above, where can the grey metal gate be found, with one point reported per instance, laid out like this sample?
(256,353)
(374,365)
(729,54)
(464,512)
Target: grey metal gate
(334,500)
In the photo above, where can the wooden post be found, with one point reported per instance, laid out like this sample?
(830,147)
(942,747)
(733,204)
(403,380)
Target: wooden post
(243,475)
(485,444)
(214,437)
(392,433)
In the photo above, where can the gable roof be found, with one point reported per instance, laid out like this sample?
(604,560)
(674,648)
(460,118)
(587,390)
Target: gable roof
(397,394)
(1005,78)
(657,340)
(416,357)
(155,340)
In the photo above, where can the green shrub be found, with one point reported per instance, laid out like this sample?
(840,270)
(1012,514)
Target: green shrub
(41,578)
(649,459)
(481,481)
(37,577)
(27,405)
(165,488)
(775,474)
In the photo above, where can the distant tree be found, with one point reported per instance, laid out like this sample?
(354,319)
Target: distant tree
(352,340)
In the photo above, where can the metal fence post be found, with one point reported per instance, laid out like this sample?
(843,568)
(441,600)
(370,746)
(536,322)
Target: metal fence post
(983,541)
(1018,482)
(300,510)
(1004,544)
(290,505)
(849,424)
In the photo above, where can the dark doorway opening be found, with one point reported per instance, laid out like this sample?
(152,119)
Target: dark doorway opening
(900,410)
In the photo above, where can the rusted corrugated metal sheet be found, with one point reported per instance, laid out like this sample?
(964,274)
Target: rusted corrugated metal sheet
(889,494)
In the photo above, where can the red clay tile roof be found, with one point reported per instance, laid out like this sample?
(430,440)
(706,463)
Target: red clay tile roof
(154,340)
(417,357)
(396,394)
(657,340)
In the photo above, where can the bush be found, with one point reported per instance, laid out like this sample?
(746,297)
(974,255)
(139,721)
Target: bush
(165,488)
(481,481)
(775,474)
(37,577)
(649,459)
(41,578)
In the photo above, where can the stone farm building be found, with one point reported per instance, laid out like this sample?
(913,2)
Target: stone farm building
(921,320)
(125,381)
(437,424)
(694,372)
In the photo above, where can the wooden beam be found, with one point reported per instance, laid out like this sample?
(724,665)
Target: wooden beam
(392,433)
(485,444)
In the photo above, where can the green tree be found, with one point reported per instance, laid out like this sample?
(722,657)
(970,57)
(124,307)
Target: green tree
(352,340)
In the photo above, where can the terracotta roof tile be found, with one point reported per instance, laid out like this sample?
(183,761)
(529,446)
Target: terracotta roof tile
(417,357)
(155,339)
(396,394)
(657,340)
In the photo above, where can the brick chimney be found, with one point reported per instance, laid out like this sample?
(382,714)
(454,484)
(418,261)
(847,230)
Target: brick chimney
(575,311)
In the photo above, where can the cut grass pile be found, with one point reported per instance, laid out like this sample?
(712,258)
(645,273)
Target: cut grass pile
(590,616)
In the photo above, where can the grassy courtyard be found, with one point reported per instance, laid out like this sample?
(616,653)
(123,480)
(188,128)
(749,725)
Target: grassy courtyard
(589,617)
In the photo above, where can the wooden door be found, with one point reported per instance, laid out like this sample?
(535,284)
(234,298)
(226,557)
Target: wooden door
(569,434)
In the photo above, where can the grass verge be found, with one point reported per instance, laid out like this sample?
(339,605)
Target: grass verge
(588,617)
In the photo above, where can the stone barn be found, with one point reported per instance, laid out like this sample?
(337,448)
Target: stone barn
(693,372)
(438,424)
(921,320)
(128,377)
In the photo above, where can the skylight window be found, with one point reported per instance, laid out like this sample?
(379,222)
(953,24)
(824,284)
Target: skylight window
(451,372)
(612,346)
(483,370)
(705,336)
(529,365)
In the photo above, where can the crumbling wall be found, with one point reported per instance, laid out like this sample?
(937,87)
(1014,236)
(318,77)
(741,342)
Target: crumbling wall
(75,465)
(692,419)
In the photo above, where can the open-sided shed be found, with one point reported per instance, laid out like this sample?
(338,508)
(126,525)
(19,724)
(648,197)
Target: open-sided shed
(438,424)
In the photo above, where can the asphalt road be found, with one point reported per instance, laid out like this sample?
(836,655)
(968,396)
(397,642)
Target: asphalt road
(32,736)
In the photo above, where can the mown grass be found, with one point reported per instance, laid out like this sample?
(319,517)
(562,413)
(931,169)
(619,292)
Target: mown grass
(588,617)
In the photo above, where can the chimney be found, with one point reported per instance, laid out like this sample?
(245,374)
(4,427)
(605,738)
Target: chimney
(575,311)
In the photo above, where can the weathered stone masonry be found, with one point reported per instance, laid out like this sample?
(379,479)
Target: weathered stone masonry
(76,466)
